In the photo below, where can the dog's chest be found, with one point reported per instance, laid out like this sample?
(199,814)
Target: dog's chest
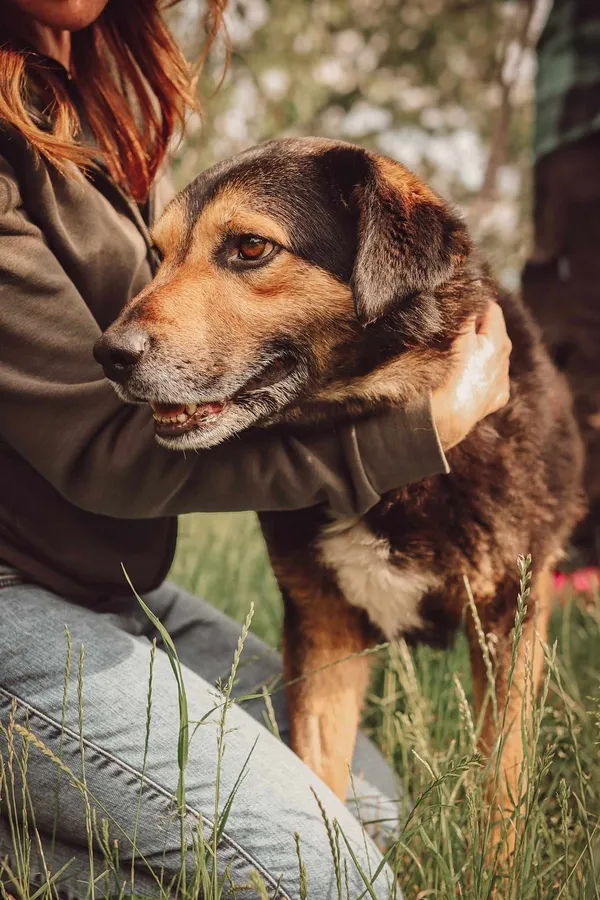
(370,579)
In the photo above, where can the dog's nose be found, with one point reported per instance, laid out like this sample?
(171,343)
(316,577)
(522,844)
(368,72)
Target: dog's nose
(119,351)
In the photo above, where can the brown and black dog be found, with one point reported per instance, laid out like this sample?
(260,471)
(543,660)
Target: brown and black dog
(309,281)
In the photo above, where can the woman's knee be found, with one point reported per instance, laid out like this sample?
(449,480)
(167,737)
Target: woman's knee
(134,789)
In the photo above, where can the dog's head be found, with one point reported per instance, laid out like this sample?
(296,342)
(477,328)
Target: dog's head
(290,275)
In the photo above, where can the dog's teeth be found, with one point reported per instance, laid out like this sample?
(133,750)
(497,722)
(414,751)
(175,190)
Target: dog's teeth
(191,408)
(181,417)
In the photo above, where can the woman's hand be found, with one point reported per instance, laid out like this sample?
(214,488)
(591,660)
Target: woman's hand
(479,384)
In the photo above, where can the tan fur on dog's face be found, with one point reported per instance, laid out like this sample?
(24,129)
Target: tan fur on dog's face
(224,318)
(350,238)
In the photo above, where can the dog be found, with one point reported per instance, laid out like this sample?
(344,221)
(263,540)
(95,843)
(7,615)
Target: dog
(306,282)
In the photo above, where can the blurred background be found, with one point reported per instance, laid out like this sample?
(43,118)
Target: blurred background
(444,86)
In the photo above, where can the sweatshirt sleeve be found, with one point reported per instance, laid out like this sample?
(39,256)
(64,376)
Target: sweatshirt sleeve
(60,414)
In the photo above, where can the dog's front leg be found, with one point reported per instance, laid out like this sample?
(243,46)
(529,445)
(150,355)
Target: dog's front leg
(323,638)
(512,707)
(326,679)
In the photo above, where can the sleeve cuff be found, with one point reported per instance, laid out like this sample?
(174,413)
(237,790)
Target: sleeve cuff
(401,447)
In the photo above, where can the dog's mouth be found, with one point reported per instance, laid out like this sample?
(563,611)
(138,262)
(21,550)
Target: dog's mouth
(174,419)
(171,419)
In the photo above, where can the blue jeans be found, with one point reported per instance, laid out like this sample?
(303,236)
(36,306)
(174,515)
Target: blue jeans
(274,800)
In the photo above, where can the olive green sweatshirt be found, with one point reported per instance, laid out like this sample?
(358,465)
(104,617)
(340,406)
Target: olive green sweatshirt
(83,485)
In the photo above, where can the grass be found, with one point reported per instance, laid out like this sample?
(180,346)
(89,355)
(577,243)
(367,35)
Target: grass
(420,713)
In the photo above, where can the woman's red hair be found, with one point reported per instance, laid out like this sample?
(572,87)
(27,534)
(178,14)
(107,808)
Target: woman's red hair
(134,83)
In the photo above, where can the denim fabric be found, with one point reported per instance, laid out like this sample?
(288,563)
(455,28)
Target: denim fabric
(274,800)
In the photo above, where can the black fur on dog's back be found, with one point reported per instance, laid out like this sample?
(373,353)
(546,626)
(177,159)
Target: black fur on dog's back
(514,488)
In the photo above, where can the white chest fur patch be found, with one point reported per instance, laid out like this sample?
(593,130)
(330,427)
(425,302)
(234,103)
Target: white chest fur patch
(368,579)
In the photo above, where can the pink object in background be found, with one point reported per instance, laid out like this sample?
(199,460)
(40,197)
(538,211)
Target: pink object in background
(581,580)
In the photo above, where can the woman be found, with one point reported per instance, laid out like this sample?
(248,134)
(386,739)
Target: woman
(84,487)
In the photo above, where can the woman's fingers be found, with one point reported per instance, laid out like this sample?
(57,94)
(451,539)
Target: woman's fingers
(492,326)
(479,384)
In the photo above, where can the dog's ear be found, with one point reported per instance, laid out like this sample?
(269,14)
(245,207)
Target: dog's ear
(409,241)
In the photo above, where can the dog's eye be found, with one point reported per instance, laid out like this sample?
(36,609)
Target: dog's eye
(251,247)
